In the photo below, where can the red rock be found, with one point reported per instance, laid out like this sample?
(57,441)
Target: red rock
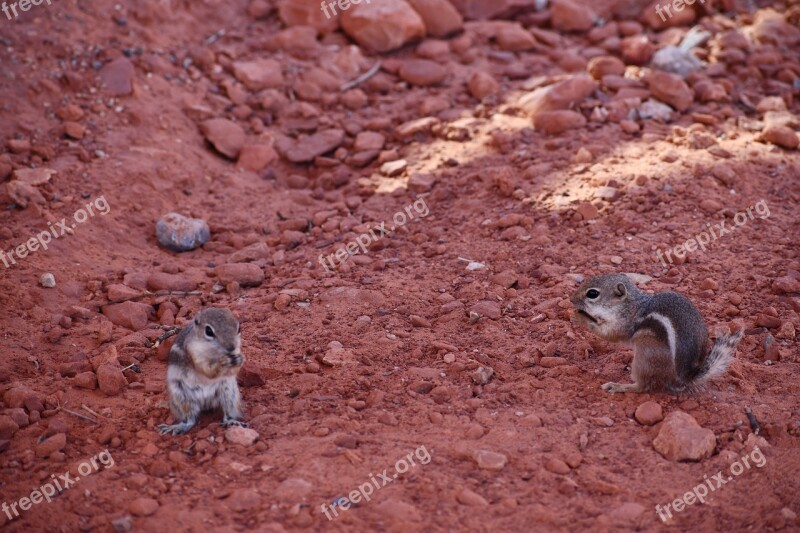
(605,65)
(766,321)
(422,72)
(420,183)
(470,498)
(131,315)
(256,157)
(649,413)
(489,460)
(242,436)
(560,95)
(74,130)
(226,136)
(771,27)
(300,41)
(354,99)
(85,380)
(54,444)
(304,150)
(481,84)
(111,379)
(8,427)
(514,38)
(109,356)
(143,507)
(440,17)
(781,285)
(34,176)
(587,211)
(70,112)
(780,136)
(161,281)
(771,103)
(567,15)
(708,91)
(18,146)
(487,9)
(117,77)
(506,279)
(307,13)
(258,9)
(557,466)
(487,308)
(383,26)
(637,50)
(552,362)
(670,89)
(259,74)
(23,193)
(253,252)
(555,122)
(682,439)
(369,140)
(245,274)
(709,205)
(19,416)
(19,396)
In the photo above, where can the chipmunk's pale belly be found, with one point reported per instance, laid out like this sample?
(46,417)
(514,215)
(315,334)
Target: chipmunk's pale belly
(200,389)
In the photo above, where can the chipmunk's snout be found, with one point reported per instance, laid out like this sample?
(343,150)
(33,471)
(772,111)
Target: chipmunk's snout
(235,359)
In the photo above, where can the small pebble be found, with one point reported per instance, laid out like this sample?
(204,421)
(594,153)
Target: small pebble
(47,280)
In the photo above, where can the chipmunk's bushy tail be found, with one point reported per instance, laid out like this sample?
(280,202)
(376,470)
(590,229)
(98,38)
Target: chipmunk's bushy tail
(718,359)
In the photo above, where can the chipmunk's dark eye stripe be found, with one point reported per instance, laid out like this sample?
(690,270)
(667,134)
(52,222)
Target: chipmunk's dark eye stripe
(592,294)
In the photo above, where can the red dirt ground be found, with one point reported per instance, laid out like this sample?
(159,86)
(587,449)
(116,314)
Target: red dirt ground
(403,383)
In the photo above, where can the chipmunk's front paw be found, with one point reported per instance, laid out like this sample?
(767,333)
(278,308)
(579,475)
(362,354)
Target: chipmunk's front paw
(174,429)
(612,387)
(229,422)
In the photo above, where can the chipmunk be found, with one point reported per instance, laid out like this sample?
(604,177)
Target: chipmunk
(201,371)
(668,335)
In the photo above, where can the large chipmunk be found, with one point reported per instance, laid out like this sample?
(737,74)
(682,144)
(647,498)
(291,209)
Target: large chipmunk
(667,333)
(201,371)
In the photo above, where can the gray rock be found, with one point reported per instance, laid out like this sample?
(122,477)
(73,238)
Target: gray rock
(181,234)
(652,109)
(675,60)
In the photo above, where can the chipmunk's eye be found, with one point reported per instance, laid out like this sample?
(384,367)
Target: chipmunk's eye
(592,294)
(210,332)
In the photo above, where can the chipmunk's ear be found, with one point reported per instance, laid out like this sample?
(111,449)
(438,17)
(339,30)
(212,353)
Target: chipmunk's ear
(196,321)
(620,290)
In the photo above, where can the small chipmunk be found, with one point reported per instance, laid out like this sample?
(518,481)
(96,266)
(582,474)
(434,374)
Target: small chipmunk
(201,371)
(668,335)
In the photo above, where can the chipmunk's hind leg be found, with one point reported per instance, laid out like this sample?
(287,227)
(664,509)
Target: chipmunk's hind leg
(653,366)
(185,410)
(229,400)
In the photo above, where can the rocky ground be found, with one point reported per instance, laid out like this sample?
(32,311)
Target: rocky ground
(526,143)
